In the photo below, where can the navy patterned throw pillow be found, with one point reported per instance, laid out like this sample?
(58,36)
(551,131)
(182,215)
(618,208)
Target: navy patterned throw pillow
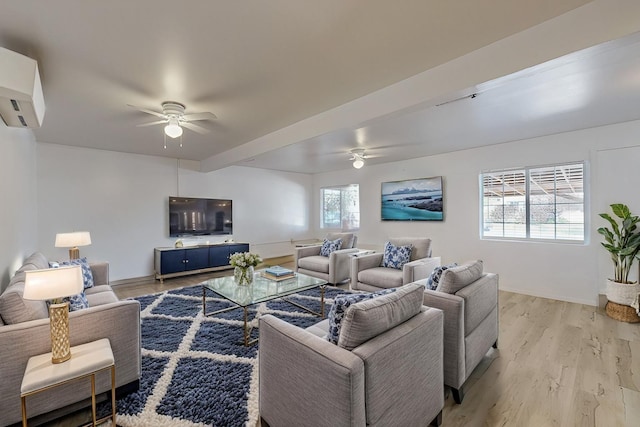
(329,246)
(396,256)
(77,302)
(87,275)
(434,277)
(340,304)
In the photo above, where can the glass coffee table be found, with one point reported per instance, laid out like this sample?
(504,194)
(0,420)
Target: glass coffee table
(261,290)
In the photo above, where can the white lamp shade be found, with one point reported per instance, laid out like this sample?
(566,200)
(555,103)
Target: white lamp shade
(358,163)
(72,240)
(173,129)
(52,283)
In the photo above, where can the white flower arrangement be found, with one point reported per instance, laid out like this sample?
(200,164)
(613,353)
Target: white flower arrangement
(244,259)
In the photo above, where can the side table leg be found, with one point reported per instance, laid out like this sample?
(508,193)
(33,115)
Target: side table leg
(23,401)
(204,301)
(322,301)
(93,399)
(246,334)
(113,395)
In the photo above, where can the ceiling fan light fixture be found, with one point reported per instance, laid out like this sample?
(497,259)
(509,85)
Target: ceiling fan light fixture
(173,129)
(358,162)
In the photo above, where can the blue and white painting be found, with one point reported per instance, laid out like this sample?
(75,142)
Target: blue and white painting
(412,200)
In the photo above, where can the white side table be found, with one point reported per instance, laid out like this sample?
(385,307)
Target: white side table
(86,361)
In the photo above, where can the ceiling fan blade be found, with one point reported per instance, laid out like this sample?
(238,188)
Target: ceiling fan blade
(144,110)
(152,123)
(199,116)
(195,128)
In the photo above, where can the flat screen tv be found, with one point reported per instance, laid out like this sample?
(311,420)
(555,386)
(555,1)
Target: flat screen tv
(412,200)
(192,216)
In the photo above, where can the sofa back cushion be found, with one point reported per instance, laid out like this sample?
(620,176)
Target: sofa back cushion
(369,318)
(420,246)
(15,309)
(36,261)
(456,278)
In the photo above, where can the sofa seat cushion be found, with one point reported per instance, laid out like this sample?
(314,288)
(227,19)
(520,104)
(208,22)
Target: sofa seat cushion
(15,309)
(369,318)
(381,277)
(101,298)
(456,278)
(320,329)
(315,263)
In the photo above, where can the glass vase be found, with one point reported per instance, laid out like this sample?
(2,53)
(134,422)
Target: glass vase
(243,275)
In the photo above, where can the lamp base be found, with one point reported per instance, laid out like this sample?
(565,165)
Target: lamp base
(59,322)
(74,253)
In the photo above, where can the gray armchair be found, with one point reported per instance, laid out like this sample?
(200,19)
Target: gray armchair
(469,299)
(367,274)
(391,378)
(334,268)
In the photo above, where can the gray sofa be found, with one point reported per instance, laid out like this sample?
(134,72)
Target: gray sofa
(24,332)
(386,369)
(469,299)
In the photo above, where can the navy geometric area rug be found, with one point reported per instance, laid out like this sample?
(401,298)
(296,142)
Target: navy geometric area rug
(195,369)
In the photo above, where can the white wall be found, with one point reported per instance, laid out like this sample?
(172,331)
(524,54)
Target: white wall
(562,271)
(18,206)
(122,199)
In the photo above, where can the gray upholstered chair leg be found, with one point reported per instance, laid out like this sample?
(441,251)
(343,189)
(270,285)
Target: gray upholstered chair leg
(458,394)
(437,421)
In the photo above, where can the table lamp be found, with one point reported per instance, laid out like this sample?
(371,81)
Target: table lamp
(55,284)
(72,241)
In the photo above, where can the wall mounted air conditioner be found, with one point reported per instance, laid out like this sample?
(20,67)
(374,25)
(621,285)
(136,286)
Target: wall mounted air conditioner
(21,100)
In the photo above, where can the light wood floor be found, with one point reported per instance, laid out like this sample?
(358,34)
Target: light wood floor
(558,364)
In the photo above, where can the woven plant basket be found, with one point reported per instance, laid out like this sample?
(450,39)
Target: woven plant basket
(623,313)
(622,293)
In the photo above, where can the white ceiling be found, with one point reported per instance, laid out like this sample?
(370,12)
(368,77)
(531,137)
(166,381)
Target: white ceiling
(262,67)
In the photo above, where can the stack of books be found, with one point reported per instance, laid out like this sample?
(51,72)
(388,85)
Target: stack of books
(278,273)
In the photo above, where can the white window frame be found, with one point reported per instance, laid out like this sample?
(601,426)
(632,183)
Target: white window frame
(526,195)
(349,217)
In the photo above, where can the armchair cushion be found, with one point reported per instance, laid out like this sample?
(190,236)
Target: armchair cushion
(329,246)
(315,263)
(371,317)
(395,256)
(340,305)
(348,239)
(420,246)
(456,278)
(381,277)
(434,278)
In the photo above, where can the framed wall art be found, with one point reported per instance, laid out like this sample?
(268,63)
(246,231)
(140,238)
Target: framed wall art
(412,200)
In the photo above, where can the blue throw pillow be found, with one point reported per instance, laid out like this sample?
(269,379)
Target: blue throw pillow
(396,256)
(329,246)
(87,275)
(77,302)
(434,277)
(340,304)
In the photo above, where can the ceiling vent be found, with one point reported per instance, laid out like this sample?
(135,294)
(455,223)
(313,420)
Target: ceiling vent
(21,100)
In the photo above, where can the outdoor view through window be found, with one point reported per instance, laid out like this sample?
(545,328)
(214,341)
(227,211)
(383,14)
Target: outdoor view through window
(340,207)
(534,203)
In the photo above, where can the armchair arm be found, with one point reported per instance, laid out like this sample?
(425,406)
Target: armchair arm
(325,382)
(119,321)
(454,355)
(340,265)
(419,269)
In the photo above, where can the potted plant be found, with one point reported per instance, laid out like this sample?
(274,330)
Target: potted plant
(623,243)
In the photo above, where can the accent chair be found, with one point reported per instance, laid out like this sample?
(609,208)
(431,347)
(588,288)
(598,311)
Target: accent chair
(469,299)
(368,274)
(333,268)
(385,370)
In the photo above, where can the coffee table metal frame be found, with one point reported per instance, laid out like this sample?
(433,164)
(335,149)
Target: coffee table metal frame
(268,290)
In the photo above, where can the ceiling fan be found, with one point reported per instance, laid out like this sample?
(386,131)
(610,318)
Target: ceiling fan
(358,156)
(175,119)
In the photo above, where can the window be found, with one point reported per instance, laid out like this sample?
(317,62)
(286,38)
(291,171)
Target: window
(340,207)
(545,203)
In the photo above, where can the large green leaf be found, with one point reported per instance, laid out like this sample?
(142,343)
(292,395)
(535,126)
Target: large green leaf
(620,210)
